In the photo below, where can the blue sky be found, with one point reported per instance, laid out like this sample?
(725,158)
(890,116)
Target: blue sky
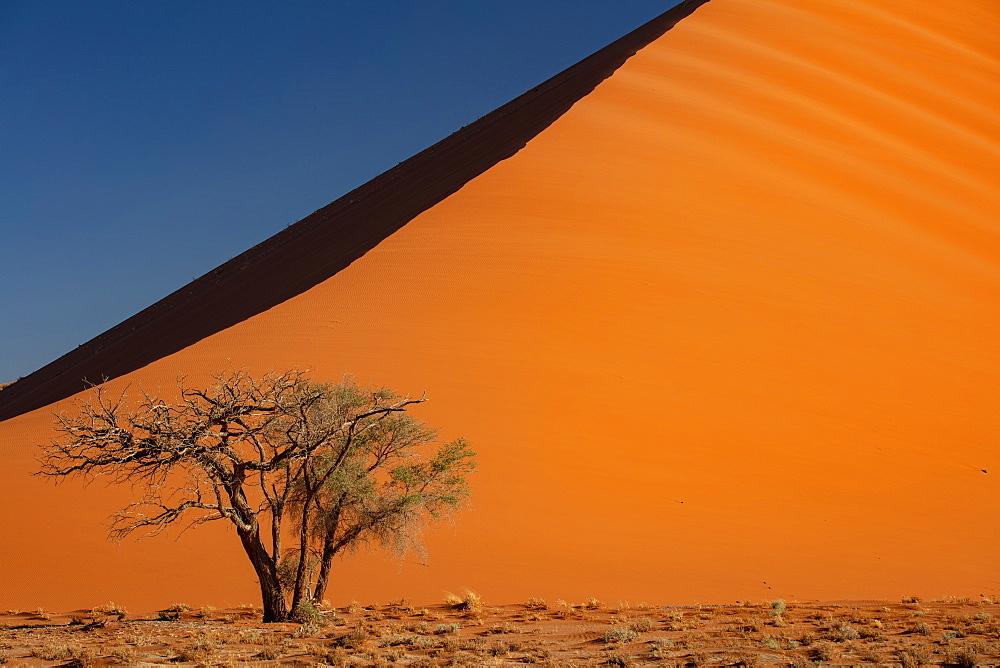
(144,143)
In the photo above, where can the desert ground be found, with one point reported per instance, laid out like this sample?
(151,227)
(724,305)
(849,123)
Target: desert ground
(465,631)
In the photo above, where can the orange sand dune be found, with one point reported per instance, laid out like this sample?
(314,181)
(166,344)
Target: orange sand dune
(728,328)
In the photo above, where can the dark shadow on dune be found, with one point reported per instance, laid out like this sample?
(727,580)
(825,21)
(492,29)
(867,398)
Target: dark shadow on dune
(325,242)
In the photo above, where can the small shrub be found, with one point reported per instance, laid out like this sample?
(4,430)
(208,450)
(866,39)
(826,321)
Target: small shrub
(204,612)
(503,627)
(356,638)
(125,655)
(844,631)
(498,647)
(110,609)
(778,607)
(593,604)
(621,634)
(446,628)
(331,656)
(911,657)
(395,639)
(307,630)
(306,612)
(424,642)
(659,647)
(536,604)
(618,659)
(870,655)
(179,607)
(920,627)
(251,637)
(420,627)
(469,601)
(822,651)
(642,625)
(53,651)
(193,654)
(967,657)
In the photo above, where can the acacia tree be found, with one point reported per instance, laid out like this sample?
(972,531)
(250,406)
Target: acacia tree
(345,465)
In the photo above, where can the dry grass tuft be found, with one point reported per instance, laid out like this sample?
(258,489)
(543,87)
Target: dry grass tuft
(110,608)
(269,653)
(516,634)
(621,634)
(124,655)
(469,601)
(621,659)
(641,625)
(912,657)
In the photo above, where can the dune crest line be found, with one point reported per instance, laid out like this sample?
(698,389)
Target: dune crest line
(328,240)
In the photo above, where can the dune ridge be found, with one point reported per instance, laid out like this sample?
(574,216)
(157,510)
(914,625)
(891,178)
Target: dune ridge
(323,243)
(728,328)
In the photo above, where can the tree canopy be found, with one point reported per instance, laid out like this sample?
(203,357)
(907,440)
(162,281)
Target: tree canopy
(322,467)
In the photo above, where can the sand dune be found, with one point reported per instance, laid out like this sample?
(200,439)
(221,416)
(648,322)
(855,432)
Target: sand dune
(728,328)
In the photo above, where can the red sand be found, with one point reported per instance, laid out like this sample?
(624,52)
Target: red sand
(729,328)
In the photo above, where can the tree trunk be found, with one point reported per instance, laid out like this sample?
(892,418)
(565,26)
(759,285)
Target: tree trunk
(326,561)
(273,601)
(301,581)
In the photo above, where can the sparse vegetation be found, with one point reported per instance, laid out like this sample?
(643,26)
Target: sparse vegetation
(469,601)
(513,634)
(341,464)
(110,609)
(621,634)
(536,604)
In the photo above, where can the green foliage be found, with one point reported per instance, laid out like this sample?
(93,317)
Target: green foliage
(319,467)
(306,612)
(383,486)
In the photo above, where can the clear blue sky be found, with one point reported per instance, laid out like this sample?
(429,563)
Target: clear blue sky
(144,143)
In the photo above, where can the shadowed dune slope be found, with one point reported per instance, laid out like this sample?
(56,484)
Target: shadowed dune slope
(320,245)
(728,328)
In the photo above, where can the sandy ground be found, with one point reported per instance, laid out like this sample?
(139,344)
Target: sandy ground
(728,328)
(955,632)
